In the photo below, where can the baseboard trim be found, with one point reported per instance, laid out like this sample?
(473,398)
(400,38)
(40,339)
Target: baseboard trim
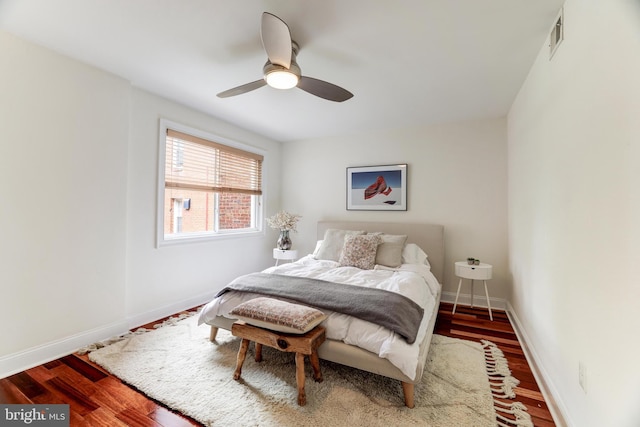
(551,396)
(136,320)
(21,361)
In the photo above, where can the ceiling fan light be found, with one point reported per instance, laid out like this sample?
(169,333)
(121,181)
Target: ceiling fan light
(282,79)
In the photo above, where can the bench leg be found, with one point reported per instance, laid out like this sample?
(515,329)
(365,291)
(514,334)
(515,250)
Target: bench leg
(242,354)
(408,389)
(258,352)
(302,397)
(315,364)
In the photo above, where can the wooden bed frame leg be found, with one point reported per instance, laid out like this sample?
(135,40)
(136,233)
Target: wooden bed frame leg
(213,334)
(408,389)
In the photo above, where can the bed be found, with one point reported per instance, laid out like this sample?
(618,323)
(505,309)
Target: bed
(399,359)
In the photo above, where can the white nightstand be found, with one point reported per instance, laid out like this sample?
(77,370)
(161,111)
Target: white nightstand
(279,254)
(474,272)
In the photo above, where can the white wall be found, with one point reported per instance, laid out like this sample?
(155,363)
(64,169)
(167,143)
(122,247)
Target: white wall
(456,177)
(158,278)
(63,168)
(78,168)
(574,145)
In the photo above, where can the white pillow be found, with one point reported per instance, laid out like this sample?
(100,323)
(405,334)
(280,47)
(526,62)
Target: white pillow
(413,254)
(332,244)
(317,248)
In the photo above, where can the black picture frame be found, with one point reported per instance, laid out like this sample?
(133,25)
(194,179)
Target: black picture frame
(377,188)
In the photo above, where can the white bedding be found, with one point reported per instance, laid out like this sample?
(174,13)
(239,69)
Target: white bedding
(414,281)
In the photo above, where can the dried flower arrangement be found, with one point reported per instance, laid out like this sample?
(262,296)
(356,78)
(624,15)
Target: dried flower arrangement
(284,221)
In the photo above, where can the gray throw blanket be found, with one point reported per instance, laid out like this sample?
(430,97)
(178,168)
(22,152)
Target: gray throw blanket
(389,309)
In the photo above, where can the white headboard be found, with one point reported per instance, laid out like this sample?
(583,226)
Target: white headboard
(430,237)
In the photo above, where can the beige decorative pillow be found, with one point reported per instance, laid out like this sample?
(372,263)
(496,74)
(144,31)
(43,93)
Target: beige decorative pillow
(360,251)
(331,246)
(278,315)
(390,250)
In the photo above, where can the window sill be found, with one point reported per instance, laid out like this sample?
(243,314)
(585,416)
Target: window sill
(173,240)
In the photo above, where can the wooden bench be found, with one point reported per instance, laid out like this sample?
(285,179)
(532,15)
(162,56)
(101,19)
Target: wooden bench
(301,345)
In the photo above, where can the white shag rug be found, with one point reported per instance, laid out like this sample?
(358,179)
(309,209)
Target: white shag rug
(178,366)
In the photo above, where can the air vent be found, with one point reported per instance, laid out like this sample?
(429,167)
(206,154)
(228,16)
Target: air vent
(557,34)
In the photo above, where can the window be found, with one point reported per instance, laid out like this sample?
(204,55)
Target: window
(208,186)
(557,34)
(176,226)
(178,154)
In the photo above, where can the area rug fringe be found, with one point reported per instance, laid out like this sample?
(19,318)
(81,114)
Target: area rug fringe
(517,409)
(171,321)
(502,385)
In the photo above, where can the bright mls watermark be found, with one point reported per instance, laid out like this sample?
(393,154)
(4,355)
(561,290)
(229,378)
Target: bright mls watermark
(34,415)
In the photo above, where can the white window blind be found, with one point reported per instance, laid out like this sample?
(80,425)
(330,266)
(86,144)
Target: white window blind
(209,166)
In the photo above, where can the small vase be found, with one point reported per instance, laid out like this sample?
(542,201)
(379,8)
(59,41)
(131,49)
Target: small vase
(284,241)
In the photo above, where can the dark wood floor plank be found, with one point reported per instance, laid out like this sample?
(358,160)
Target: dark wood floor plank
(538,410)
(126,396)
(476,336)
(83,385)
(9,393)
(86,369)
(41,374)
(538,422)
(101,417)
(488,325)
(27,385)
(52,364)
(134,418)
(82,403)
(76,419)
(531,394)
(113,399)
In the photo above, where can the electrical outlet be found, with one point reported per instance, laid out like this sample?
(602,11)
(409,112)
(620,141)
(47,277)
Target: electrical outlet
(582,376)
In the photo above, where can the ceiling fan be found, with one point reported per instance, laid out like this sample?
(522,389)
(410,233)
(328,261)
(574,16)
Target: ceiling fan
(281,70)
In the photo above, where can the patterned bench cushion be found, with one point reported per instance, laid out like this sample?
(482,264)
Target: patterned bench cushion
(278,315)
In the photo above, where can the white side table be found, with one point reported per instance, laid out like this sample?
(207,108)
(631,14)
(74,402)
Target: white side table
(474,272)
(281,254)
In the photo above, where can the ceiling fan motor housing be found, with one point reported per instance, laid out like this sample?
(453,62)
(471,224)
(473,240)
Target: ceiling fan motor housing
(270,68)
(294,68)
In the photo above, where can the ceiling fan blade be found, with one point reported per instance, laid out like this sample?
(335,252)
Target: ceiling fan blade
(324,89)
(276,39)
(242,89)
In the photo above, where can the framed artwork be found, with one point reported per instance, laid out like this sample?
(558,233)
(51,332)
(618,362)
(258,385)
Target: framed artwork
(377,188)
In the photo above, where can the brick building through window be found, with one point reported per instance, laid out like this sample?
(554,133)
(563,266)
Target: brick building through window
(209,187)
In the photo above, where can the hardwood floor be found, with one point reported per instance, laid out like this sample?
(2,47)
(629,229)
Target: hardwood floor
(97,398)
(474,324)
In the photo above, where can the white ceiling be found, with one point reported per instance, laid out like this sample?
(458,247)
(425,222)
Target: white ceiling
(407,62)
